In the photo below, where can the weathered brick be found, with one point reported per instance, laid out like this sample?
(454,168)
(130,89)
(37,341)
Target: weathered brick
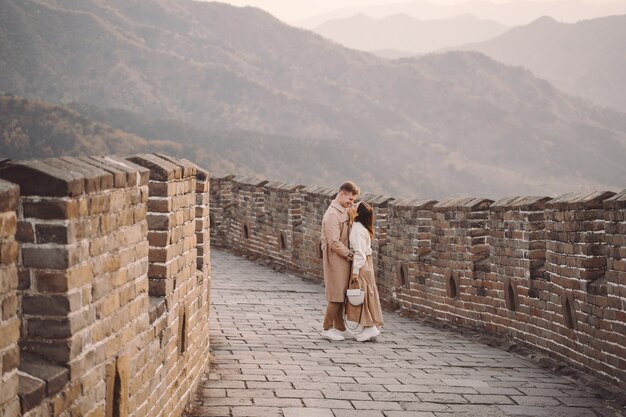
(51,305)
(8,252)
(9,196)
(8,225)
(51,209)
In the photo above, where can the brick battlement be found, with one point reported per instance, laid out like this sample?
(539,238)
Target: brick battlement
(548,272)
(105,282)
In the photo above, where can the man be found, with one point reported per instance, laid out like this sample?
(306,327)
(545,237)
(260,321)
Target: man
(336,258)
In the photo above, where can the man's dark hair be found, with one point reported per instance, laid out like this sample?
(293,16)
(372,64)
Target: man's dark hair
(350,187)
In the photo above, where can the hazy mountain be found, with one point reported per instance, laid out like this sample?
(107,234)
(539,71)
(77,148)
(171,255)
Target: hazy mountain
(392,53)
(31,129)
(586,58)
(298,107)
(512,13)
(404,33)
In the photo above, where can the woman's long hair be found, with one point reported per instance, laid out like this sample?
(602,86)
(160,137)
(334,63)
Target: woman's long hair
(365,216)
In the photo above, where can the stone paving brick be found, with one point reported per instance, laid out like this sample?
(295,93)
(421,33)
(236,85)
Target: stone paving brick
(250,393)
(278,402)
(270,360)
(347,395)
(268,385)
(433,407)
(376,405)
(442,398)
(409,388)
(257,412)
(358,413)
(488,399)
(307,412)
(299,393)
(408,414)
(528,411)
(453,390)
(472,411)
(394,396)
(333,404)
(534,401)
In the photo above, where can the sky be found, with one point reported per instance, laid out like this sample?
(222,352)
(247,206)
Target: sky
(292,10)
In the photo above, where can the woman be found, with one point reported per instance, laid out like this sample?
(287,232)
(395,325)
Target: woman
(369,315)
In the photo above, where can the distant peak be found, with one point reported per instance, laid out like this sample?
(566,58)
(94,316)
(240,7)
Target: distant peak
(545,20)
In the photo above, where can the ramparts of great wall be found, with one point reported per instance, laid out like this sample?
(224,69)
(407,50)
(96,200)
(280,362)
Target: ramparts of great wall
(105,274)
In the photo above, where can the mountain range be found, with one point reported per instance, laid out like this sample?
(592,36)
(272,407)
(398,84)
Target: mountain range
(34,129)
(510,13)
(409,35)
(288,104)
(585,58)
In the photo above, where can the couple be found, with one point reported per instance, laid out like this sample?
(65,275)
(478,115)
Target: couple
(347,232)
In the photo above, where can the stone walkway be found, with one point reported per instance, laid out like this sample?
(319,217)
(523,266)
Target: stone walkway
(270,360)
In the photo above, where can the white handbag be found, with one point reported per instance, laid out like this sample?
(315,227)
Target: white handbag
(355,296)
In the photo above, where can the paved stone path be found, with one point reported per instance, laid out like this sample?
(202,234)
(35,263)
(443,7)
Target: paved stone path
(270,360)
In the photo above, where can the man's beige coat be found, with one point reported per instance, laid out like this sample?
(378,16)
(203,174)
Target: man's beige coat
(335,241)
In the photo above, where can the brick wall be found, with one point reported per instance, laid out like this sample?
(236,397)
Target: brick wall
(307,251)
(547,272)
(104,330)
(9,320)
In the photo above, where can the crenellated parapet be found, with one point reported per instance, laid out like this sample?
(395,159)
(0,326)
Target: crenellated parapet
(548,272)
(113,290)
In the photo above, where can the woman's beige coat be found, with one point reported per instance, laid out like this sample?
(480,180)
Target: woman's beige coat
(335,237)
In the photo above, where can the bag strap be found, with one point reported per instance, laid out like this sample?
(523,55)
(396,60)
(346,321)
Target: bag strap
(345,314)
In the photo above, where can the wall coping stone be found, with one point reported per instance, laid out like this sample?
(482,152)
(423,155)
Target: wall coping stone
(281,186)
(463,204)
(9,196)
(125,173)
(160,169)
(416,203)
(618,201)
(377,200)
(524,203)
(201,173)
(579,201)
(91,176)
(189,169)
(40,178)
(320,191)
(104,179)
(250,182)
(228,177)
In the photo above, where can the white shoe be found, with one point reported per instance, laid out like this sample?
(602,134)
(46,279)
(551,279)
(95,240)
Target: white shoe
(347,334)
(352,330)
(333,334)
(367,334)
